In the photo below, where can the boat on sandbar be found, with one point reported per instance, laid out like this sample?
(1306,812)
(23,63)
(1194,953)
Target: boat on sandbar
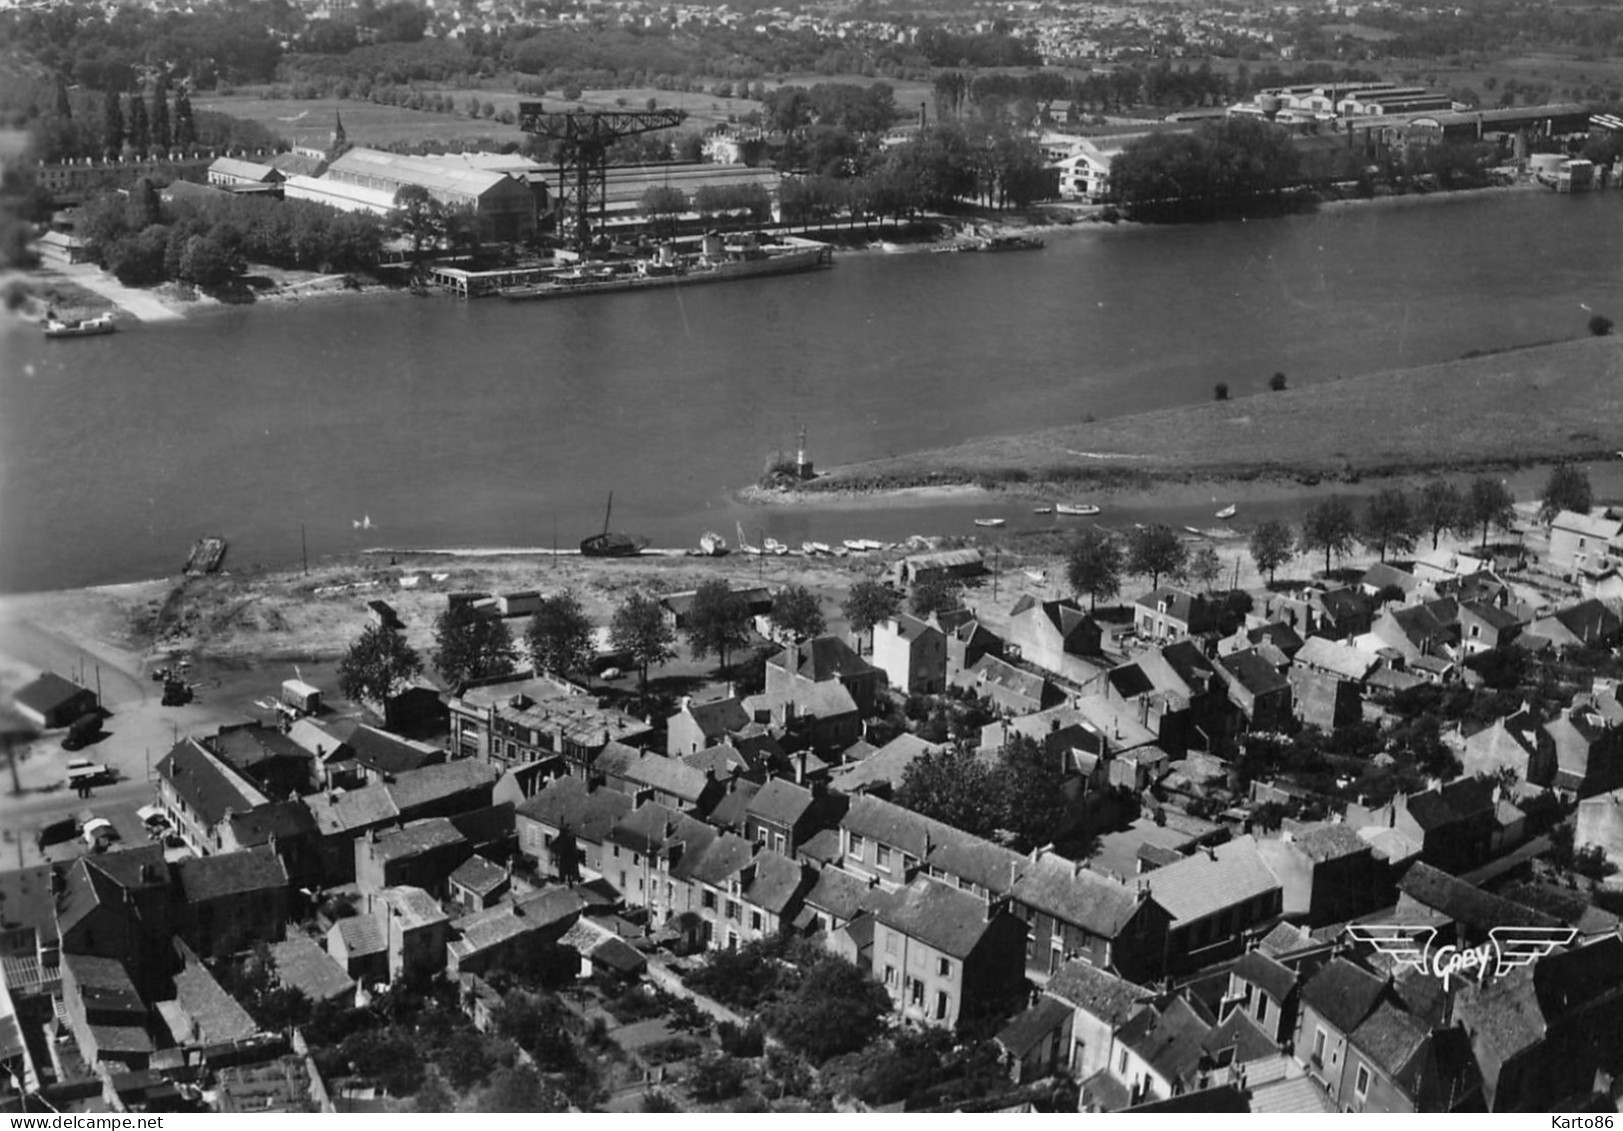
(746,546)
(1082,509)
(1042,510)
(1227,512)
(989,522)
(79,327)
(773,546)
(712,544)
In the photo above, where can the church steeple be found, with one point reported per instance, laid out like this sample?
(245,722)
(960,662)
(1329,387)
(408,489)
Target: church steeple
(339,141)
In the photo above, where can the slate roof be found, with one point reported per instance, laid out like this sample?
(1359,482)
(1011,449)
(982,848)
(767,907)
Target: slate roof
(781,801)
(1451,804)
(822,700)
(1028,1029)
(1100,994)
(778,880)
(565,803)
(718,717)
(479,875)
(1343,993)
(493,926)
(1252,671)
(1393,1040)
(945,918)
(415,788)
(668,775)
(342,813)
(713,862)
(413,906)
(825,658)
(232,873)
(724,760)
(1054,886)
(1466,904)
(1244,1036)
(885,767)
(651,827)
(880,820)
(994,670)
(1181,604)
(981,862)
(285,820)
(304,966)
(205,783)
(616,760)
(1169,1040)
(389,753)
(1492,615)
(841,894)
(1301,1095)
(907,627)
(1341,660)
(248,746)
(1200,885)
(1382,574)
(733,809)
(1260,970)
(46,693)
(416,838)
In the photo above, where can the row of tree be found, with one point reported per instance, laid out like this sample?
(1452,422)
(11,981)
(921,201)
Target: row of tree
(129,127)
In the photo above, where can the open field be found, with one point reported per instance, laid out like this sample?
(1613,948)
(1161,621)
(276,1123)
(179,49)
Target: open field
(369,123)
(1522,406)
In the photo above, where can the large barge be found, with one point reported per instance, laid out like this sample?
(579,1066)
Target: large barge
(716,261)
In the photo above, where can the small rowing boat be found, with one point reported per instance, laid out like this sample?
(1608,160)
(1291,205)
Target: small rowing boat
(989,522)
(1080,509)
(1042,510)
(1226,512)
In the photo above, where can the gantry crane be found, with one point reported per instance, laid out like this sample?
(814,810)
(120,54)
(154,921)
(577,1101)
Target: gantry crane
(584,138)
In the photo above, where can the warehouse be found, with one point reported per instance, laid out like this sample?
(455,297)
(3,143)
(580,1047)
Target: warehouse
(505,206)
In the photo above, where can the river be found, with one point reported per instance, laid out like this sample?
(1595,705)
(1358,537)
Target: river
(489,423)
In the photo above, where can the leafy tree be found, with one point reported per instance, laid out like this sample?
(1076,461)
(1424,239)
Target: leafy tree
(137,126)
(1440,508)
(718,622)
(112,124)
(837,1008)
(1272,546)
(797,613)
(639,627)
(1331,526)
(1094,565)
(469,646)
(520,1088)
(1204,568)
(1488,502)
(662,204)
(1031,777)
(716,1077)
(1277,382)
(1388,522)
(376,664)
(1600,325)
(559,638)
(1220,391)
(936,595)
(1567,489)
(185,125)
(1156,550)
(870,603)
(160,112)
(955,787)
(207,263)
(435,1096)
(418,217)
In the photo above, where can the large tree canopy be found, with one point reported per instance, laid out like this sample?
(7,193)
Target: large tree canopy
(1223,168)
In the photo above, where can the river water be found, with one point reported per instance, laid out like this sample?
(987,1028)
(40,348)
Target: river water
(493,423)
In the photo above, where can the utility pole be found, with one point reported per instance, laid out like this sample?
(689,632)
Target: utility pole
(304,550)
(997,558)
(98,685)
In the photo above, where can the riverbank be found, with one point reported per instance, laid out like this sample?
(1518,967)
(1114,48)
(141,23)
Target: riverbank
(1509,409)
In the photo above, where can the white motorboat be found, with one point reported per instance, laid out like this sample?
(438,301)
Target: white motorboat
(1227,512)
(713,544)
(1081,509)
(989,522)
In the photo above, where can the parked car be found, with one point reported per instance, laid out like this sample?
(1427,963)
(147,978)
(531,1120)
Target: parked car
(83,772)
(84,730)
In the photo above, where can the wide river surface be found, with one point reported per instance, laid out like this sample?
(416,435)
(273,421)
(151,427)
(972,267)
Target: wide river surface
(492,423)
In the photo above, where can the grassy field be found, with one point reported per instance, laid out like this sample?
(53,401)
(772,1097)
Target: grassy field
(1522,406)
(368,123)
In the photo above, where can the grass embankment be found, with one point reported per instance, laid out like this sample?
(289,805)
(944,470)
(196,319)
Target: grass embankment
(1548,402)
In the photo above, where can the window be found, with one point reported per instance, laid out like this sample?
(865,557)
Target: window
(1361,1085)
(891,944)
(732,910)
(857,847)
(942,1004)
(709,901)
(918,992)
(1262,1008)
(755,920)
(1121,1065)
(890,975)
(882,856)
(943,967)
(1318,1046)
(636,860)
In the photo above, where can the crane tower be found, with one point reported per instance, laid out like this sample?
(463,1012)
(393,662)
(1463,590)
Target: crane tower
(584,138)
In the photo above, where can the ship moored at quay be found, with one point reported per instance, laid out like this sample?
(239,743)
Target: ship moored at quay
(711,260)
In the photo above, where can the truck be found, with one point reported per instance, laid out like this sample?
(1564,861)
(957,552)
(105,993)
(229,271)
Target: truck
(301,697)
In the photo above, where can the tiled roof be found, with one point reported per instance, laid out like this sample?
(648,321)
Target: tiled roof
(214,1012)
(1260,970)
(913,833)
(841,894)
(1300,1095)
(1449,805)
(827,657)
(231,873)
(616,760)
(205,783)
(247,746)
(825,699)
(362,935)
(1343,993)
(1026,1030)
(1330,842)
(723,760)
(885,767)
(304,966)
(981,862)
(712,863)
(1465,904)
(1169,1040)
(282,819)
(718,717)
(1103,995)
(1392,1039)
(668,775)
(947,919)
(1342,660)
(493,926)
(413,906)
(46,693)
(1201,885)
(1253,672)
(479,875)
(341,813)
(1244,1036)
(651,827)
(390,754)
(733,809)
(998,672)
